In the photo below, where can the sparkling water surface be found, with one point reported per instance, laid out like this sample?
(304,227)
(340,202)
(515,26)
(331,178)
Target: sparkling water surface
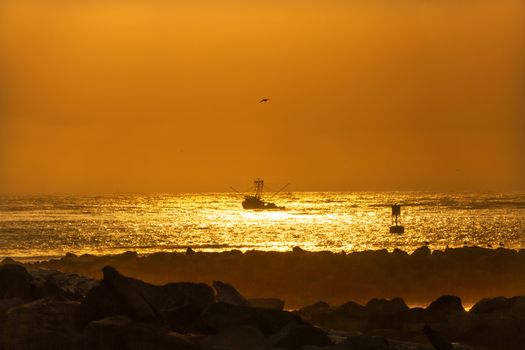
(37,227)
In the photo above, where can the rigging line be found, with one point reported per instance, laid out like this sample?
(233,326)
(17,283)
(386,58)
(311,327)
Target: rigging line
(282,188)
(242,194)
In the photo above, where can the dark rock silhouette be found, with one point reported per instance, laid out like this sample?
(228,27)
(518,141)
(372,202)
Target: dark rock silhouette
(303,277)
(352,310)
(140,301)
(363,342)
(383,313)
(118,295)
(220,316)
(54,283)
(497,323)
(57,310)
(489,305)
(237,338)
(15,282)
(436,339)
(6,304)
(41,325)
(121,333)
(421,252)
(294,336)
(440,309)
(227,294)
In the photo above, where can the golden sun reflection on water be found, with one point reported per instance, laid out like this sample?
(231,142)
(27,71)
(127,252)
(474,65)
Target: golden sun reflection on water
(53,225)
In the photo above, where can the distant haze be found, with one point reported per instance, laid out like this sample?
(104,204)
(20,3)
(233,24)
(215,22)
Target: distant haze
(160,96)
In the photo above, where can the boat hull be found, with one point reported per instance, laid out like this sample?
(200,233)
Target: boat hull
(254,203)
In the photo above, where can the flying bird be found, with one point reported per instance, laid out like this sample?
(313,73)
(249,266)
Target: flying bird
(264,100)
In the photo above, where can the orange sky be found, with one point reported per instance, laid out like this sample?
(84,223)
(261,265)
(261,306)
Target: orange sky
(148,96)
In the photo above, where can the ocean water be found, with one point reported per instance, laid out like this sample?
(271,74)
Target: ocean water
(38,227)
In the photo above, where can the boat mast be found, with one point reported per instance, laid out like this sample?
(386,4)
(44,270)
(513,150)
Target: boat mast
(259,184)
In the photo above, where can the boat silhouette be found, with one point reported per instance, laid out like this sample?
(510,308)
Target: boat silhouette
(256,202)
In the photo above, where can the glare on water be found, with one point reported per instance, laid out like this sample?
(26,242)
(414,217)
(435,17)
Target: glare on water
(44,226)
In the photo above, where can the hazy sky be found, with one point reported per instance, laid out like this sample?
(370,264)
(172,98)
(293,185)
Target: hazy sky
(160,96)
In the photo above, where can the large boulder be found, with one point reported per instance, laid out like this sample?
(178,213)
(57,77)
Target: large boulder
(315,313)
(383,313)
(237,338)
(122,333)
(175,304)
(175,295)
(497,323)
(441,308)
(7,304)
(437,340)
(348,317)
(352,310)
(185,319)
(421,253)
(226,293)
(295,336)
(364,342)
(40,325)
(53,283)
(495,334)
(15,282)
(181,304)
(220,316)
(489,305)
(117,295)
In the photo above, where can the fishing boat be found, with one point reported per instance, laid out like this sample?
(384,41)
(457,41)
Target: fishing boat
(255,201)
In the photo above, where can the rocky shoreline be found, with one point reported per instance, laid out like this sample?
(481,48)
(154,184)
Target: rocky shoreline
(303,278)
(48,309)
(44,308)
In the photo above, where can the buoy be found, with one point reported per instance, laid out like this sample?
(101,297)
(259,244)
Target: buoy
(396,213)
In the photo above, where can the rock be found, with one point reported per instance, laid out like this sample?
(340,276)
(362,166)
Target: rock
(405,345)
(53,283)
(175,295)
(227,294)
(6,304)
(267,303)
(436,339)
(295,336)
(489,305)
(348,317)
(491,330)
(441,308)
(177,304)
(383,313)
(122,333)
(185,319)
(117,295)
(459,346)
(181,305)
(352,310)
(385,306)
(364,342)
(220,316)
(9,260)
(15,282)
(421,252)
(315,312)
(237,338)
(41,325)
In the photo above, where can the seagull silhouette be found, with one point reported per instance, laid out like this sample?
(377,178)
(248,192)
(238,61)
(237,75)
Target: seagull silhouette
(264,100)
